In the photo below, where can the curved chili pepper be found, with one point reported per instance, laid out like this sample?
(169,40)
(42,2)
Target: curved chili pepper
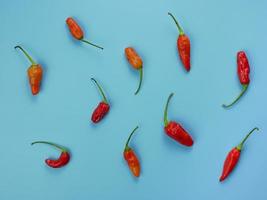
(233,157)
(35,73)
(183,45)
(102,108)
(63,158)
(131,158)
(77,32)
(136,62)
(175,130)
(243,71)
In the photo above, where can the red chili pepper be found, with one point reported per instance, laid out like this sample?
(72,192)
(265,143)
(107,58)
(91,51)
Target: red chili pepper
(183,45)
(233,157)
(35,73)
(243,71)
(102,108)
(131,158)
(136,62)
(77,32)
(175,130)
(63,158)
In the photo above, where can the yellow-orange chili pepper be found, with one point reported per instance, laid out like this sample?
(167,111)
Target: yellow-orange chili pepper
(77,32)
(131,158)
(35,73)
(136,62)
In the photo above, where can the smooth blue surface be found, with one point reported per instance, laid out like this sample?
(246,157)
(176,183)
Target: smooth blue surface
(61,112)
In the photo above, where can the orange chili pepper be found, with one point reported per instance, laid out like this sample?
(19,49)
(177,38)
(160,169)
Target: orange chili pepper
(77,32)
(35,73)
(131,158)
(136,62)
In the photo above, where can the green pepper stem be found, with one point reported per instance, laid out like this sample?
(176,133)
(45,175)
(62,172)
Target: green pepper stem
(240,146)
(86,41)
(166,110)
(129,138)
(26,54)
(100,90)
(52,144)
(181,32)
(244,89)
(140,80)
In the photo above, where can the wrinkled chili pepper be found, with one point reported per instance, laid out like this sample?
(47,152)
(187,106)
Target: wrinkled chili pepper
(175,130)
(233,157)
(63,158)
(136,62)
(77,32)
(131,158)
(102,108)
(243,71)
(35,73)
(183,45)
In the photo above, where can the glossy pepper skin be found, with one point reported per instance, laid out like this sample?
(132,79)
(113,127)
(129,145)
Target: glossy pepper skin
(183,46)
(131,158)
(136,62)
(233,157)
(103,107)
(77,32)
(175,130)
(243,70)
(35,73)
(63,159)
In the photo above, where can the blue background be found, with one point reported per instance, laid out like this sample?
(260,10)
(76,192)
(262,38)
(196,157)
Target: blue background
(61,112)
